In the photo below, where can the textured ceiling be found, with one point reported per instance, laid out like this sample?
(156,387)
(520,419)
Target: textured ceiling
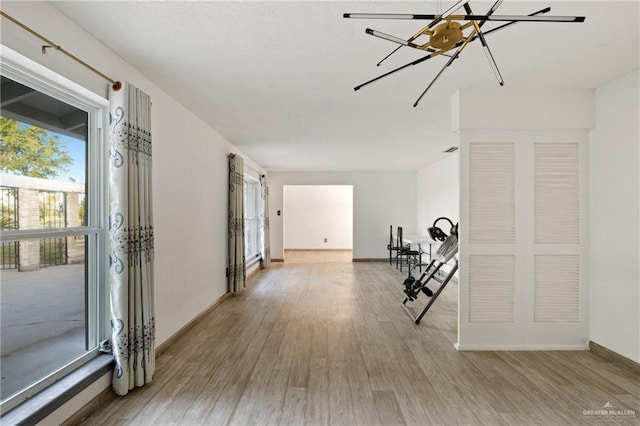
(276,78)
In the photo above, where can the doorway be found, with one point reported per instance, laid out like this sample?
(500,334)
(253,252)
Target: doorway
(318,223)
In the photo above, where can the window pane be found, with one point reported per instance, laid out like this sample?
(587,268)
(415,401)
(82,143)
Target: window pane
(42,315)
(249,199)
(43,157)
(251,215)
(49,316)
(251,237)
(8,221)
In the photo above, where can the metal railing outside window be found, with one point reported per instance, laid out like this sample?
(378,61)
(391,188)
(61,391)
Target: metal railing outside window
(53,214)
(9,251)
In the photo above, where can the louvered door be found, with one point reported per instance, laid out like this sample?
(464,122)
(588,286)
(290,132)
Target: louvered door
(556,221)
(557,195)
(522,247)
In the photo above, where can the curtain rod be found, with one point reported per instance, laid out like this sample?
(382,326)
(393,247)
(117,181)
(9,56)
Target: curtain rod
(116,85)
(232,155)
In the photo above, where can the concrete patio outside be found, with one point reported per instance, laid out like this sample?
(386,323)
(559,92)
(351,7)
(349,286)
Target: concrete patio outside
(42,320)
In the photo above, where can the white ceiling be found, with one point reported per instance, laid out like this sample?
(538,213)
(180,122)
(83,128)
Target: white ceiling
(276,78)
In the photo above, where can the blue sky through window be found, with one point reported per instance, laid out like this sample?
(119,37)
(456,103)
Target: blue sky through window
(77,149)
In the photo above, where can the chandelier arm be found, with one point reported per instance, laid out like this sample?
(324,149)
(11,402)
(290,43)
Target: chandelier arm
(385,58)
(461,45)
(432,24)
(467,25)
(483,41)
(539,12)
(428,49)
(495,18)
(390,38)
(495,7)
(412,38)
(400,41)
(449,62)
(453,58)
(448,12)
(416,62)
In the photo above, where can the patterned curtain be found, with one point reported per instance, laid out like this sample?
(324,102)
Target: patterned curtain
(131,239)
(236,271)
(264,223)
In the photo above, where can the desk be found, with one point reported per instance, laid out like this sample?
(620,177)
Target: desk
(420,240)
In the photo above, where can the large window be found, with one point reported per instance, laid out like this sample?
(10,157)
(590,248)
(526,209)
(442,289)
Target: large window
(252,209)
(52,229)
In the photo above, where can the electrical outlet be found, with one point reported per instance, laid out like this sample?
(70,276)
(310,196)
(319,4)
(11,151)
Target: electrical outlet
(325,240)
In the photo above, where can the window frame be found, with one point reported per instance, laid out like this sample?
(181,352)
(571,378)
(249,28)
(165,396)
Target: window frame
(29,73)
(257,256)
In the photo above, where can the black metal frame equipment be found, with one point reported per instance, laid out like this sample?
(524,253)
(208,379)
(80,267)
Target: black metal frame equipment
(445,253)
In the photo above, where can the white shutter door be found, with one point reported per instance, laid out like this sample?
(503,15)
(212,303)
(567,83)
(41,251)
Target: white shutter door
(491,193)
(556,288)
(557,193)
(491,285)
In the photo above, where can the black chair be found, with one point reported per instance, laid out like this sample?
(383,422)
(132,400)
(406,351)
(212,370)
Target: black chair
(405,254)
(393,247)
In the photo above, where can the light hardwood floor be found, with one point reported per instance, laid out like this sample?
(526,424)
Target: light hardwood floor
(328,343)
(318,256)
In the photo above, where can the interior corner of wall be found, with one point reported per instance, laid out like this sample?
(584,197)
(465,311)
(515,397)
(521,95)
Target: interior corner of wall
(591,101)
(455,111)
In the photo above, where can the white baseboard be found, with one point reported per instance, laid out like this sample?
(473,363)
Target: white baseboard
(533,347)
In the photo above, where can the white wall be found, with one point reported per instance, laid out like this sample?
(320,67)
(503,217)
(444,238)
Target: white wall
(615,218)
(379,200)
(313,213)
(190,169)
(438,193)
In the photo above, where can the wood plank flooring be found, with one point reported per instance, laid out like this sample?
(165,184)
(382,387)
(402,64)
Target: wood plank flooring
(317,256)
(327,343)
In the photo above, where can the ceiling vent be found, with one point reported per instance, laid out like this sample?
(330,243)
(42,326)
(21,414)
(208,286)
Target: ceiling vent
(451,149)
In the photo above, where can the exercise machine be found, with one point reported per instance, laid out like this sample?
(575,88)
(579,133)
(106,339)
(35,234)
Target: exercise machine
(445,253)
